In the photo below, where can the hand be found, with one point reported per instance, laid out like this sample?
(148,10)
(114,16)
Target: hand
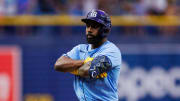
(88,59)
(84,69)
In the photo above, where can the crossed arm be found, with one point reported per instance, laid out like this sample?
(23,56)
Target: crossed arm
(94,68)
(65,64)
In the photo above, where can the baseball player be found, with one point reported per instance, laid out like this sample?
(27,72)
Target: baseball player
(96,65)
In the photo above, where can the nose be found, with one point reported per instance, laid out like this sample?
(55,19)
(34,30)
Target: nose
(89,28)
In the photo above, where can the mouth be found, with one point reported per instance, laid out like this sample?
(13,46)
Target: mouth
(89,37)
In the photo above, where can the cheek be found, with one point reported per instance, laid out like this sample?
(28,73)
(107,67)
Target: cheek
(96,32)
(93,31)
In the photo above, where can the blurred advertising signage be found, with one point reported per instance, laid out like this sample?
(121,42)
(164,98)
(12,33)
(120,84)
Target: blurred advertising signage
(10,72)
(150,72)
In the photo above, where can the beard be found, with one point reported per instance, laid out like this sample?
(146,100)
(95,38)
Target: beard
(95,40)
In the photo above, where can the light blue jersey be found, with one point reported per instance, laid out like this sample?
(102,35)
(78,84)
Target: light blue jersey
(104,89)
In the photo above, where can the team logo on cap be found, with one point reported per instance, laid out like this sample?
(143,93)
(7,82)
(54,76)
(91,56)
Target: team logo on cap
(93,14)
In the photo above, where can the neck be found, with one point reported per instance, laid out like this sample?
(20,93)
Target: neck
(99,44)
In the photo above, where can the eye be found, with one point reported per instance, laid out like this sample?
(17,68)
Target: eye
(88,25)
(93,25)
(96,26)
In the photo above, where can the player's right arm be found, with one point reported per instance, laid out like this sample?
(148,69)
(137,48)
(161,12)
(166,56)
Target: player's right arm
(66,64)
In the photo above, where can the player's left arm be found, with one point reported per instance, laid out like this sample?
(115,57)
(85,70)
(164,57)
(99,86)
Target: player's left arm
(108,59)
(99,66)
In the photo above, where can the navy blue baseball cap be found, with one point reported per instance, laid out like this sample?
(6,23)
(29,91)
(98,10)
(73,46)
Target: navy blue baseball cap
(99,16)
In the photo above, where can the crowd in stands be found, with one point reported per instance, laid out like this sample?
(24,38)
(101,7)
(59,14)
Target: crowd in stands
(81,7)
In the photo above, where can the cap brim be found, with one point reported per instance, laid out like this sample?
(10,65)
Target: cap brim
(85,20)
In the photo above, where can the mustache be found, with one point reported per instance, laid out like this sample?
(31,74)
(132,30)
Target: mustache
(89,34)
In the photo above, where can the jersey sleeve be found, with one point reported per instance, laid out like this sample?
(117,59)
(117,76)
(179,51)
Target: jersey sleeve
(73,54)
(114,55)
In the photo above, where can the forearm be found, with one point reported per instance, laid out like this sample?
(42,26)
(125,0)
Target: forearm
(65,64)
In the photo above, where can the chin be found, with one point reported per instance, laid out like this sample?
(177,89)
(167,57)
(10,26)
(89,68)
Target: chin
(90,42)
(94,40)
